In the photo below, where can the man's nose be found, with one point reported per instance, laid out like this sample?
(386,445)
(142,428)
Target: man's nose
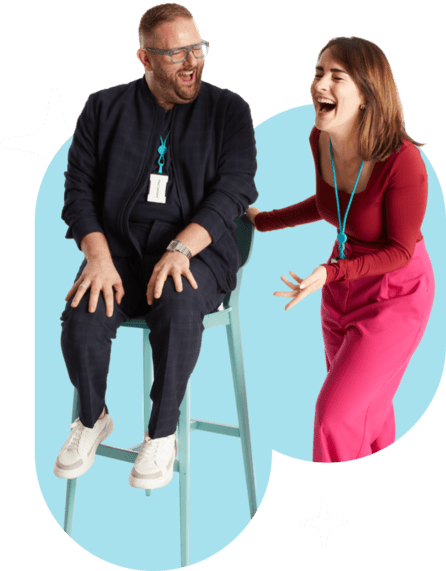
(191,58)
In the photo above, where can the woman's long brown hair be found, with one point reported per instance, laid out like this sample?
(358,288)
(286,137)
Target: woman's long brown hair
(381,125)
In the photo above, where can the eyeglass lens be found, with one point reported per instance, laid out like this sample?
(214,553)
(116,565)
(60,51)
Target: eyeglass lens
(198,51)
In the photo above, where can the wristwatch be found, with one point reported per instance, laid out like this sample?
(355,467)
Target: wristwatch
(177,245)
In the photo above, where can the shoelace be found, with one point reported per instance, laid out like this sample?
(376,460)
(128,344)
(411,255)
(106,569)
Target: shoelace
(154,447)
(78,427)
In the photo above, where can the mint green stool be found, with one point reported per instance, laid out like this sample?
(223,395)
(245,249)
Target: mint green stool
(228,316)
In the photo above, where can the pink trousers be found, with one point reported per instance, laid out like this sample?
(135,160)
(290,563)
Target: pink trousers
(371,328)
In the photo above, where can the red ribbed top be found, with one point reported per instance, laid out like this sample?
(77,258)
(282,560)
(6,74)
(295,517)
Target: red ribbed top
(387,215)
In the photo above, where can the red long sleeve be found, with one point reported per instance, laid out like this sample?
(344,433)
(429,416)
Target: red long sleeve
(300,213)
(387,215)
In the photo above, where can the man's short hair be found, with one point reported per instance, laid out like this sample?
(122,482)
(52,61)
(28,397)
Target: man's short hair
(156,16)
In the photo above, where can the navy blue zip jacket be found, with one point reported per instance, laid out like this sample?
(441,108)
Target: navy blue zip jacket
(213,150)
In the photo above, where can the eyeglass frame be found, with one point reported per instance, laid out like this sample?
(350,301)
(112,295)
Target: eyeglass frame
(187,48)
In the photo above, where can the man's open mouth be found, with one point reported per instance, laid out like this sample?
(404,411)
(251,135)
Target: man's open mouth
(188,76)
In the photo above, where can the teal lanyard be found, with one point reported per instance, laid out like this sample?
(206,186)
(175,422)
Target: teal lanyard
(342,236)
(162,151)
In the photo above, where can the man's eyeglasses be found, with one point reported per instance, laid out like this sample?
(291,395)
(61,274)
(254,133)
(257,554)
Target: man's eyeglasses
(179,55)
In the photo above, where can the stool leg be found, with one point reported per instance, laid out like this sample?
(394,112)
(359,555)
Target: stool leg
(184,473)
(69,505)
(238,373)
(147,382)
(71,484)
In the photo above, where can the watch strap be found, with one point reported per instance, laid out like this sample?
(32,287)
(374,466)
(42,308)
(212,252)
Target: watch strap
(176,245)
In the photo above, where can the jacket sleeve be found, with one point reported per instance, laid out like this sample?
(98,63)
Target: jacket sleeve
(233,188)
(80,211)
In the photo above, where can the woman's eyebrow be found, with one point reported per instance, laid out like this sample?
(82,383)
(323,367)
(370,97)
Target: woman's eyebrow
(335,69)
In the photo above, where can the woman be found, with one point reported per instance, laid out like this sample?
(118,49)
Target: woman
(378,284)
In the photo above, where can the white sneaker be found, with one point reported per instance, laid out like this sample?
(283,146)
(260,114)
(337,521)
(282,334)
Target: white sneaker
(153,468)
(78,452)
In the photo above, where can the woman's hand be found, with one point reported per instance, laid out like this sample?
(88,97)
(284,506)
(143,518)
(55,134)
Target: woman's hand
(251,213)
(303,287)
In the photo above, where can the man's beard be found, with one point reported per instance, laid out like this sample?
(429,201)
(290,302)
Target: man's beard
(174,92)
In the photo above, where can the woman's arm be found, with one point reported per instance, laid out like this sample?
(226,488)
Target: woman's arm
(301,213)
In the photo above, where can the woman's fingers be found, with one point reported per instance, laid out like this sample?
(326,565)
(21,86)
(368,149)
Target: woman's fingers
(297,278)
(303,286)
(284,293)
(251,213)
(290,305)
(288,283)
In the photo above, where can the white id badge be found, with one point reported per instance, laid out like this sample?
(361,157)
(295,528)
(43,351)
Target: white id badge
(157,189)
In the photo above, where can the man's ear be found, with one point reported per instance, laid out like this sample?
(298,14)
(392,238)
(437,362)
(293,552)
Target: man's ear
(144,58)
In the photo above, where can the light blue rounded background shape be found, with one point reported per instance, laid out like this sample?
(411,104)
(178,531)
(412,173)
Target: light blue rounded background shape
(284,364)
(290,349)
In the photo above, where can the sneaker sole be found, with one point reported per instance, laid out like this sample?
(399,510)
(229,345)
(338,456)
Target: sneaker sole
(154,483)
(79,471)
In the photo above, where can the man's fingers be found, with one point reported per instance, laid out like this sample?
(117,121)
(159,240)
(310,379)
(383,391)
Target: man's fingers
(73,289)
(119,292)
(79,288)
(94,296)
(159,284)
(108,298)
(191,279)
(177,281)
(150,289)
(149,295)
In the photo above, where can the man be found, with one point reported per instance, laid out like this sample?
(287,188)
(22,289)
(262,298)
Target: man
(157,171)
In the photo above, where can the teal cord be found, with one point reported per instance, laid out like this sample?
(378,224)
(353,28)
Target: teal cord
(342,236)
(162,151)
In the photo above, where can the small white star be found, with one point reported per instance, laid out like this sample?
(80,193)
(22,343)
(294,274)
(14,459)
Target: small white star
(49,138)
(324,523)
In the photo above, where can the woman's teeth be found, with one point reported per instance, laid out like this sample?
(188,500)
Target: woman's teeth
(326,104)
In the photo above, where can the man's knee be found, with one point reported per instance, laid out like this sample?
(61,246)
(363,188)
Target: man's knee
(189,300)
(81,327)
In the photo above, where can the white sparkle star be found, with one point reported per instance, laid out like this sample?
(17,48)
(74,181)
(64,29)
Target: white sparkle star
(49,138)
(324,523)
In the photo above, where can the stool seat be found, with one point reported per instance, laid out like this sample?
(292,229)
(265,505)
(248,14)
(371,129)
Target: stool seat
(227,315)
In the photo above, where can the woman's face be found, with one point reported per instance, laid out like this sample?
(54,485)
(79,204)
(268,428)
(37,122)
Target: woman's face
(336,97)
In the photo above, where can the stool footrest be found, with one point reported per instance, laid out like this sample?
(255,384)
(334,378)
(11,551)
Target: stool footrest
(127,455)
(216,427)
(130,454)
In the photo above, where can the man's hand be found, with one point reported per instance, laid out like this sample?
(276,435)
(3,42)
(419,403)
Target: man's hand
(251,213)
(99,275)
(173,264)
(303,287)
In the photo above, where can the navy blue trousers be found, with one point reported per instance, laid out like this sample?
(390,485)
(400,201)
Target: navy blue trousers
(176,327)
